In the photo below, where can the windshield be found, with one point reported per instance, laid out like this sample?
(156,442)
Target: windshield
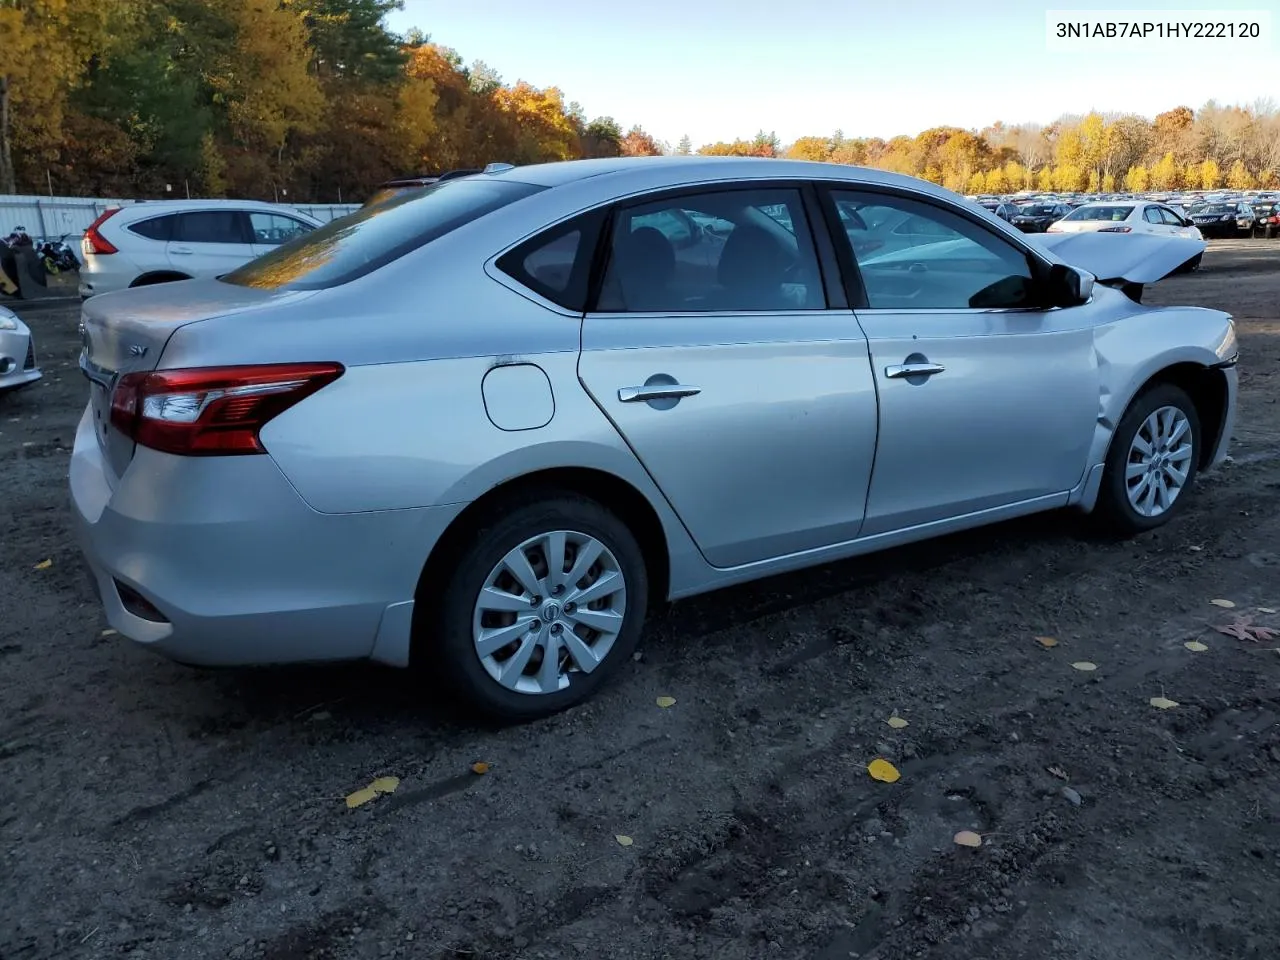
(1220,208)
(1038,210)
(1101,212)
(377,234)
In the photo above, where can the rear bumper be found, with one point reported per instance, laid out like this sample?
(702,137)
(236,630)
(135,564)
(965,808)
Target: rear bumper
(239,570)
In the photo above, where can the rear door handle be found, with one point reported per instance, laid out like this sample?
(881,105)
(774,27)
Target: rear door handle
(913,370)
(657,391)
(181,250)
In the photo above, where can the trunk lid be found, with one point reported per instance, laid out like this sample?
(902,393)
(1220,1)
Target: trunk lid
(126,332)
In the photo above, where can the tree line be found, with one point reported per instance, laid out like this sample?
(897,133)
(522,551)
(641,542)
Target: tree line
(318,100)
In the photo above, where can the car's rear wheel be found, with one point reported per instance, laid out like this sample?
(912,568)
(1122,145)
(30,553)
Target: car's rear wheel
(546,603)
(1152,462)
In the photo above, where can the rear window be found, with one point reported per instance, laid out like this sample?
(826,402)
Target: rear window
(157,228)
(373,236)
(1100,212)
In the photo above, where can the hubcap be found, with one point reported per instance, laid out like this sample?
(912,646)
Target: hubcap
(1159,461)
(551,607)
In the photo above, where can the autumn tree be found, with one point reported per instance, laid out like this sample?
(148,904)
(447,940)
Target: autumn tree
(1165,174)
(1210,175)
(1137,179)
(1239,178)
(637,143)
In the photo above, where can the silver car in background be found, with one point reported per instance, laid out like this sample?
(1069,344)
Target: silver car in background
(481,426)
(18,367)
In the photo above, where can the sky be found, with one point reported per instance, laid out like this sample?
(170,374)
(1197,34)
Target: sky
(722,69)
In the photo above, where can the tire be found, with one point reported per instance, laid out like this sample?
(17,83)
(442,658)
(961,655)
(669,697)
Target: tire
(1115,511)
(448,647)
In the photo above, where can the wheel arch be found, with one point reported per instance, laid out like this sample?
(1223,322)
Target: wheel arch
(609,490)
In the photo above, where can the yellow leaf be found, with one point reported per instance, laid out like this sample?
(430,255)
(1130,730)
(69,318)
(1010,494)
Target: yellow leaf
(623,841)
(1222,603)
(1085,665)
(967,838)
(896,722)
(883,770)
(1195,646)
(480,767)
(1046,642)
(44,564)
(385,785)
(1164,703)
(361,796)
(666,701)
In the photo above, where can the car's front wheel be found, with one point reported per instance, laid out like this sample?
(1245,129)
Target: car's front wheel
(545,603)
(1152,461)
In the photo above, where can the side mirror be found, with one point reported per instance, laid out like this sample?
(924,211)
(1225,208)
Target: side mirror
(1069,286)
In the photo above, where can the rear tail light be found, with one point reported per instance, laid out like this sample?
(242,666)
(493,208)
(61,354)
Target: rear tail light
(212,411)
(95,242)
(1116,230)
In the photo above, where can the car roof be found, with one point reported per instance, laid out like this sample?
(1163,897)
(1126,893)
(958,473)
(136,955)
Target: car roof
(682,169)
(151,208)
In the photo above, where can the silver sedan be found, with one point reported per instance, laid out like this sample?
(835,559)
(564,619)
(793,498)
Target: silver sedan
(18,366)
(479,427)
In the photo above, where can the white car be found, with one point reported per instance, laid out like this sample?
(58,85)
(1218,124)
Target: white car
(17,353)
(1127,216)
(158,242)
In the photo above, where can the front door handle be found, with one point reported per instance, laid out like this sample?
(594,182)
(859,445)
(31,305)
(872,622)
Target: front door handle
(656,391)
(913,370)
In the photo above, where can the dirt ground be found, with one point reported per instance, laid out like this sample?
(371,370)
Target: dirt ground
(153,810)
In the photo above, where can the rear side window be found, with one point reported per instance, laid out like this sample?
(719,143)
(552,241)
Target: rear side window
(556,264)
(373,236)
(157,228)
(211,226)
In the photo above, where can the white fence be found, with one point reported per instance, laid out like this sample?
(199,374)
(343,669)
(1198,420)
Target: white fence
(52,217)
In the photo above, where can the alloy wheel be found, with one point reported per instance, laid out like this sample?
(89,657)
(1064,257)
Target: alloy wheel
(1159,461)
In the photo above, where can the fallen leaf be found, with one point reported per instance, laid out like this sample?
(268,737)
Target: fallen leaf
(1195,548)
(1242,629)
(1057,772)
(108,633)
(1085,665)
(480,767)
(1267,610)
(1046,642)
(44,564)
(896,722)
(883,770)
(361,796)
(622,840)
(967,838)
(1196,646)
(1163,703)
(1222,603)
(377,787)
(667,702)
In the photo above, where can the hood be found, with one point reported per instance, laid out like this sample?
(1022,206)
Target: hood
(1121,258)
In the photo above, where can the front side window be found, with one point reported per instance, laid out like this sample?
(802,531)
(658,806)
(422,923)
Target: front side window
(948,262)
(211,226)
(373,236)
(748,250)
(275,228)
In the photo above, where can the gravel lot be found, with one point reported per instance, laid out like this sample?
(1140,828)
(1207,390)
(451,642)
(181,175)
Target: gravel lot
(153,810)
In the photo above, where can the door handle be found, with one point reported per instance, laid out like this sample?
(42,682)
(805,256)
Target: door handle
(913,370)
(657,391)
(181,250)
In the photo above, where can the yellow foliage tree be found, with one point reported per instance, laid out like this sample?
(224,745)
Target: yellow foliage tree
(1267,179)
(1239,178)
(1190,177)
(977,182)
(1015,174)
(1044,179)
(1165,175)
(1138,179)
(1067,178)
(1094,183)
(996,182)
(1109,183)
(543,131)
(810,148)
(1210,175)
